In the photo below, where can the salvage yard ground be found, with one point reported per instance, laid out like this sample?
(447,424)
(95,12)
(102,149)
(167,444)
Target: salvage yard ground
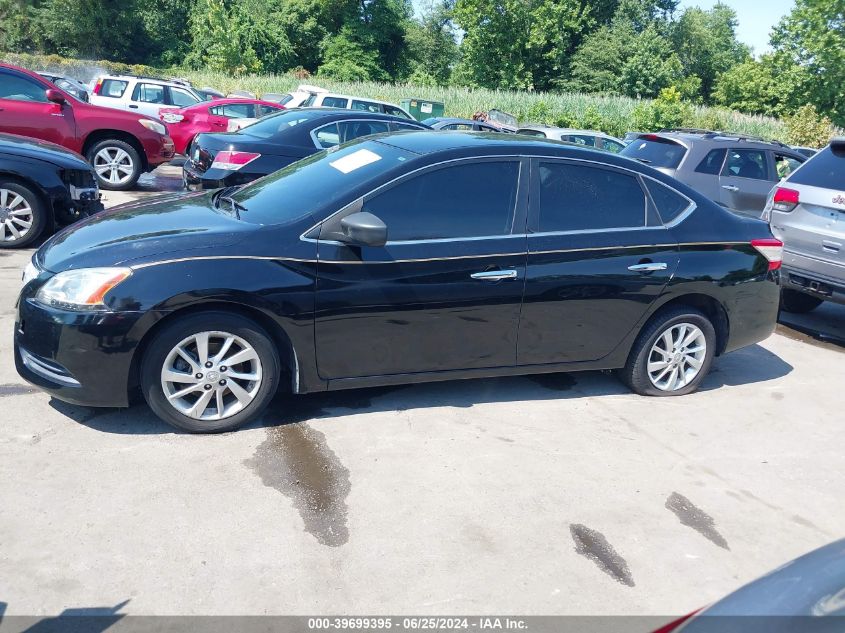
(557,494)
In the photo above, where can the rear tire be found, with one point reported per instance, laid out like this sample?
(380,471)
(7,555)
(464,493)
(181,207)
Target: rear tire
(798,302)
(22,212)
(116,163)
(210,372)
(672,355)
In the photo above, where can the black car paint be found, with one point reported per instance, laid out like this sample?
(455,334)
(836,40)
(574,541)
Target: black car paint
(276,152)
(333,308)
(49,170)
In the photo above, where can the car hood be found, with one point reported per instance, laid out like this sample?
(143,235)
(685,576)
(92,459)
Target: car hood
(178,225)
(27,147)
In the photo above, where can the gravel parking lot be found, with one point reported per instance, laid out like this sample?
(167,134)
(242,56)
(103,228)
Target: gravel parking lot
(557,494)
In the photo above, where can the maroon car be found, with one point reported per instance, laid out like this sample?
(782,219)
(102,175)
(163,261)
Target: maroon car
(119,145)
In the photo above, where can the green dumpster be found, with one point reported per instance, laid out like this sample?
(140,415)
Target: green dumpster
(421,109)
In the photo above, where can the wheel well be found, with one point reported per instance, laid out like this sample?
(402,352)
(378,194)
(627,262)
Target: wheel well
(103,135)
(42,196)
(279,336)
(711,308)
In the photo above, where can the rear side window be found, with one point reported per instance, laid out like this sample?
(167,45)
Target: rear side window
(233,110)
(468,200)
(656,151)
(581,198)
(113,88)
(334,102)
(746,163)
(826,169)
(669,203)
(712,163)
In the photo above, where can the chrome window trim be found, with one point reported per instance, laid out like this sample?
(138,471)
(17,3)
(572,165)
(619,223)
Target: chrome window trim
(313,133)
(683,215)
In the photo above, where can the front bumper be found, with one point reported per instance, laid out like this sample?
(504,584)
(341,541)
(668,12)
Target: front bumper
(82,358)
(159,151)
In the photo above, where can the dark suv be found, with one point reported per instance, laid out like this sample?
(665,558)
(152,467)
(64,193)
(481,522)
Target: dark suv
(736,171)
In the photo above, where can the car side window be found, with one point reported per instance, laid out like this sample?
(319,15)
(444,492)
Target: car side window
(264,110)
(611,146)
(581,198)
(113,88)
(182,98)
(785,165)
(327,136)
(388,109)
(16,88)
(148,93)
(366,106)
(349,130)
(712,163)
(238,111)
(335,102)
(669,203)
(459,201)
(746,163)
(532,133)
(582,139)
(457,126)
(404,127)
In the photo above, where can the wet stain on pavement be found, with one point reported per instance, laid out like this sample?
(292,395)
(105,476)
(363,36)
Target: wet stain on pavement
(296,460)
(16,390)
(594,545)
(696,518)
(555,382)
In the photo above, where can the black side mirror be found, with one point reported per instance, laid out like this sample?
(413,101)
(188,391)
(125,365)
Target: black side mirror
(364,228)
(55,96)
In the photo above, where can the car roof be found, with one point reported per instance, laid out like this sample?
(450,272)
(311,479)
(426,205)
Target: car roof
(691,137)
(423,142)
(169,82)
(343,96)
(231,100)
(566,130)
(344,113)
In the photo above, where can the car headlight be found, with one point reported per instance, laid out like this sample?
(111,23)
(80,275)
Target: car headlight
(83,289)
(155,126)
(30,272)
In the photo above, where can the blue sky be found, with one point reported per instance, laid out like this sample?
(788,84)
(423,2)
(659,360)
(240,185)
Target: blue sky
(756,18)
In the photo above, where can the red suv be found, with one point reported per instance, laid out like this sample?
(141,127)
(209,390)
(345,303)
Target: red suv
(119,145)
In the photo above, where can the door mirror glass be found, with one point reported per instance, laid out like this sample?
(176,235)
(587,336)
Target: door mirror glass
(364,229)
(55,96)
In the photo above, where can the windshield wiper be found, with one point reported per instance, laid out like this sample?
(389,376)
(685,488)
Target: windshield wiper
(644,160)
(236,207)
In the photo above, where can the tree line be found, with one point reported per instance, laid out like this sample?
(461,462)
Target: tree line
(636,48)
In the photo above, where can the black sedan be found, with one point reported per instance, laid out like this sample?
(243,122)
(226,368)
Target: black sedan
(275,141)
(396,259)
(42,186)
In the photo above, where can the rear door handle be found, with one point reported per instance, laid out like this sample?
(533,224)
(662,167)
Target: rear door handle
(134,107)
(494,275)
(648,268)
(730,187)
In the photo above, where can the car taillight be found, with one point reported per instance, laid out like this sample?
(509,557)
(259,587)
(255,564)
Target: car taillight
(771,249)
(98,86)
(785,200)
(171,117)
(233,161)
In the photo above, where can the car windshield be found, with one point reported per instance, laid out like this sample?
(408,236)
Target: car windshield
(323,178)
(655,151)
(271,126)
(826,169)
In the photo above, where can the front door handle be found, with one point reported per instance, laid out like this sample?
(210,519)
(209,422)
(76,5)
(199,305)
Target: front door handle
(133,106)
(648,268)
(494,275)
(730,188)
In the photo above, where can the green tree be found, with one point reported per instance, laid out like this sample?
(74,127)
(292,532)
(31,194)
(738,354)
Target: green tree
(347,59)
(651,67)
(220,39)
(812,36)
(18,30)
(807,127)
(432,46)
(771,86)
(166,24)
(706,44)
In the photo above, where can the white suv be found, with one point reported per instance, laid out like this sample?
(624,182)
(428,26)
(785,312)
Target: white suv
(146,95)
(332,100)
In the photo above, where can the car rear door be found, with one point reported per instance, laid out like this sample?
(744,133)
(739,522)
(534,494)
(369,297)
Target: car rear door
(445,291)
(746,180)
(25,110)
(598,257)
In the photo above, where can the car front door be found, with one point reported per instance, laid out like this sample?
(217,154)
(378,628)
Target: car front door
(25,110)
(444,293)
(746,180)
(148,99)
(598,256)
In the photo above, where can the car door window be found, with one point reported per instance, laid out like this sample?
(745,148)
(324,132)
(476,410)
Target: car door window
(611,146)
(388,109)
(349,130)
(669,203)
(148,93)
(532,133)
(366,106)
(457,126)
(581,198)
(113,88)
(785,165)
(335,102)
(18,88)
(746,163)
(405,127)
(327,136)
(182,98)
(712,163)
(264,110)
(459,201)
(579,139)
(238,111)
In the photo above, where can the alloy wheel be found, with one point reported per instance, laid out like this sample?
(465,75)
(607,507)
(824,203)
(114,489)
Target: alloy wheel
(677,356)
(211,375)
(16,216)
(114,165)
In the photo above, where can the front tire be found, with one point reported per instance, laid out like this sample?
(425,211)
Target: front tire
(798,302)
(116,163)
(210,372)
(23,215)
(672,355)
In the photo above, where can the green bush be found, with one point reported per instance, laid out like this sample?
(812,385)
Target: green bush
(806,127)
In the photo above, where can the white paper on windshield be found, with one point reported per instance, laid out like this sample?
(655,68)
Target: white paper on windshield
(355,160)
